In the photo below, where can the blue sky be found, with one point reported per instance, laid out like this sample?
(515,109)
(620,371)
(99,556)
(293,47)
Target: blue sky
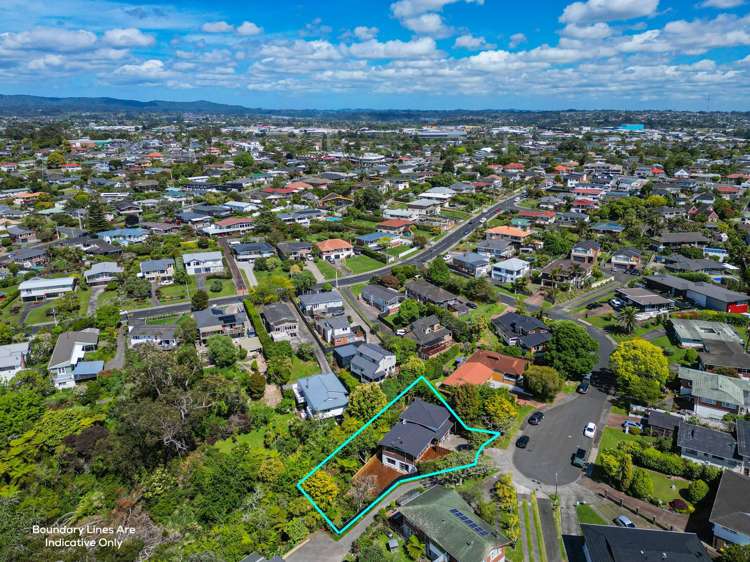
(421,54)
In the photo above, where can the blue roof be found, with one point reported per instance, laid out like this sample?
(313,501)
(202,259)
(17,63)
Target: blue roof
(611,226)
(323,392)
(87,369)
(123,232)
(375,236)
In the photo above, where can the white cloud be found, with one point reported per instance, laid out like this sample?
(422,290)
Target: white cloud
(597,31)
(365,33)
(422,47)
(746,60)
(128,37)
(427,24)
(722,4)
(48,39)
(410,8)
(216,27)
(249,28)
(152,69)
(607,10)
(516,39)
(470,42)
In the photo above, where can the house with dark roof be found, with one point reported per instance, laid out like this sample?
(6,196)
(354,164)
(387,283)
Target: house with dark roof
(585,251)
(372,363)
(564,271)
(420,427)
(322,303)
(228,320)
(69,351)
(431,337)
(527,332)
(321,396)
(496,248)
(336,330)
(662,424)
(424,291)
(471,264)
(382,298)
(158,271)
(295,250)
(252,251)
(708,446)
(280,321)
(730,515)
(605,543)
(626,259)
(679,239)
(160,335)
(647,303)
(449,528)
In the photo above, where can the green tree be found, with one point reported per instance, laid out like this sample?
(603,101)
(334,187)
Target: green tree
(256,385)
(303,281)
(618,466)
(438,272)
(571,350)
(244,160)
(626,318)
(543,382)
(55,159)
(368,199)
(222,351)
(365,401)
(735,553)
(467,402)
(408,312)
(199,300)
(107,316)
(696,491)
(415,548)
(642,487)
(499,412)
(322,488)
(186,329)
(641,369)
(97,221)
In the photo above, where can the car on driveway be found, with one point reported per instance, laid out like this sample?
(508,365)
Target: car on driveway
(522,441)
(615,303)
(624,521)
(579,458)
(629,424)
(590,430)
(536,418)
(583,388)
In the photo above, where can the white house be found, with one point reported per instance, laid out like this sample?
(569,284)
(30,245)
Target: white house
(158,271)
(102,273)
(203,262)
(12,359)
(68,353)
(41,289)
(507,271)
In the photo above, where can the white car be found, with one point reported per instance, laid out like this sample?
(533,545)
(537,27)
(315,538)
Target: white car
(483,220)
(401,332)
(590,430)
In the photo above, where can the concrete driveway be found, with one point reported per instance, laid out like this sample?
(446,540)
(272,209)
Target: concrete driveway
(559,435)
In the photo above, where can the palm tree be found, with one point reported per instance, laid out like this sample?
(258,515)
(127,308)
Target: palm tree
(627,319)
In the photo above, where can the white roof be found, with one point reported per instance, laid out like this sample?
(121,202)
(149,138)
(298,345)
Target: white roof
(201,256)
(39,283)
(512,264)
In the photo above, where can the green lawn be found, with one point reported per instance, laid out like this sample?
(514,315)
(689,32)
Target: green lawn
(227,288)
(254,439)
(39,315)
(455,214)
(586,514)
(609,324)
(488,310)
(325,268)
(611,437)
(84,295)
(164,320)
(357,289)
(302,369)
(675,354)
(363,264)
(663,486)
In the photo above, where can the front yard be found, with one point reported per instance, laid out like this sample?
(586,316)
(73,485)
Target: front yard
(362,264)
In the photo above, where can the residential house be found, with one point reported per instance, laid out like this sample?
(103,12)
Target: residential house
(70,349)
(607,228)
(203,263)
(27,258)
(705,295)
(322,303)
(252,251)
(280,321)
(648,304)
(509,271)
(424,291)
(399,227)
(161,335)
(512,234)
(662,424)
(708,446)
(526,332)
(699,334)
(335,330)
(725,357)
(496,248)
(39,289)
(678,239)
(713,395)
(488,367)
(424,207)
(124,236)
(626,259)
(335,249)
(21,235)
(442,195)
(431,337)
(321,396)
(372,363)
(229,320)
(471,264)
(236,226)
(543,218)
(449,528)
(421,426)
(379,240)
(730,517)
(12,360)
(160,271)
(102,273)
(565,272)
(608,543)
(585,251)
(295,250)
(382,298)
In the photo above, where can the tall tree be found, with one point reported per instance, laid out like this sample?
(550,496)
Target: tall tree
(97,221)
(626,318)
(571,350)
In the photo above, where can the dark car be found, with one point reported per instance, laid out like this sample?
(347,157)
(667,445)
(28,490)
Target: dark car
(583,388)
(471,304)
(593,305)
(522,441)
(579,458)
(536,418)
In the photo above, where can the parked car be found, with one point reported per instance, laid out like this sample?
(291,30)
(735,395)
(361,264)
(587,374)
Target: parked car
(583,388)
(590,430)
(593,305)
(522,441)
(483,220)
(579,458)
(536,418)
(624,521)
(632,425)
(471,304)
(401,332)
(587,377)
(615,303)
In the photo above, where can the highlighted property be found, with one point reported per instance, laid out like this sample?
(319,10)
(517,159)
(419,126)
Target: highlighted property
(420,423)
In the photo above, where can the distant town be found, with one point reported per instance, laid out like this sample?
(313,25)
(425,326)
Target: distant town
(198,308)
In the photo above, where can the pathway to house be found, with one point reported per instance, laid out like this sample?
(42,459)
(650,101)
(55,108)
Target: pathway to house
(549,530)
(272,395)
(249,268)
(354,311)
(200,282)
(95,292)
(239,282)
(118,361)
(654,334)
(529,527)
(306,336)
(154,296)
(312,267)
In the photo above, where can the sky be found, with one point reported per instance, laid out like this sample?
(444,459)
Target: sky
(406,54)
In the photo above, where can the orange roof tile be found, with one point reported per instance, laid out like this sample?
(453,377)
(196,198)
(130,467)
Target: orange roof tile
(333,244)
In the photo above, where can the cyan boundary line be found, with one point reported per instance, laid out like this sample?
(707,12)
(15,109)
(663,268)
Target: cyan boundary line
(493,435)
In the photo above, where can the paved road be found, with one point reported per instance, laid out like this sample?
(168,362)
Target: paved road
(559,435)
(249,268)
(549,530)
(181,308)
(442,245)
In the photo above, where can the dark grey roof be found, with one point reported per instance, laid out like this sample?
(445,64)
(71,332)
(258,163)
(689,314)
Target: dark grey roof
(278,313)
(705,440)
(324,297)
(622,544)
(160,331)
(731,508)
(380,293)
(681,237)
(424,290)
(149,266)
(253,247)
(743,438)
(418,425)
(663,420)
(287,248)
